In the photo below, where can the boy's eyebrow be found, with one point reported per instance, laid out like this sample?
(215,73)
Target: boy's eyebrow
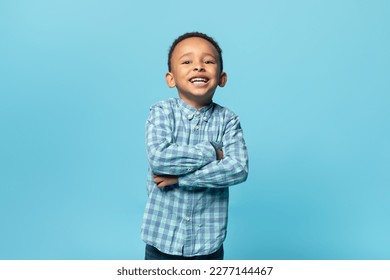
(189,53)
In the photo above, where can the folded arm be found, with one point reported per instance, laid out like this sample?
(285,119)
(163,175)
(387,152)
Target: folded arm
(231,170)
(167,157)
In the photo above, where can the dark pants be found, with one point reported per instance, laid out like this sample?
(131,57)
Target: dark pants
(151,253)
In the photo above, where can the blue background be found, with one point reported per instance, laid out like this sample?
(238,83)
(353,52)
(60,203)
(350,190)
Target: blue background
(309,79)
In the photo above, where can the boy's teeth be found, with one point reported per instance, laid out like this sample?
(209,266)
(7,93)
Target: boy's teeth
(198,80)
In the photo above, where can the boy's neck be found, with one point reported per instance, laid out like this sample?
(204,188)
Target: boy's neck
(195,103)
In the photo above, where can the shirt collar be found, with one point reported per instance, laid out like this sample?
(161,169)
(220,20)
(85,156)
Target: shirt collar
(191,112)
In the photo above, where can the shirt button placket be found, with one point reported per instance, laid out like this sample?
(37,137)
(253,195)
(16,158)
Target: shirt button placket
(188,247)
(197,126)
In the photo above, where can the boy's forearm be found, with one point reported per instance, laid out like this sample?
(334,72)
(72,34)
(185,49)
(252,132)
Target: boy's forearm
(173,159)
(217,174)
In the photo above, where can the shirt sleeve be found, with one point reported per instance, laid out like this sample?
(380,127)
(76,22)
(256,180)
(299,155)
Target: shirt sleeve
(231,170)
(167,157)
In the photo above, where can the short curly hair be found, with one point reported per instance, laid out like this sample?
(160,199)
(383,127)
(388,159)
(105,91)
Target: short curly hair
(190,35)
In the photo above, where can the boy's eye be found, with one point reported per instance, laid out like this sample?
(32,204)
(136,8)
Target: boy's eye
(209,62)
(186,62)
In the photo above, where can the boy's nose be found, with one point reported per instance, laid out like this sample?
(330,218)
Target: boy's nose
(198,68)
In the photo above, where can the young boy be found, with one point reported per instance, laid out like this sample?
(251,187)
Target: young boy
(195,151)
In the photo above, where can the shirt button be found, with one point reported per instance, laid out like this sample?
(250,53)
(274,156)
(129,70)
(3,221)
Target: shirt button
(197,127)
(189,117)
(187,219)
(205,119)
(189,169)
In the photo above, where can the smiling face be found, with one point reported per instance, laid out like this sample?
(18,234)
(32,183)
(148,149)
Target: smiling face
(195,71)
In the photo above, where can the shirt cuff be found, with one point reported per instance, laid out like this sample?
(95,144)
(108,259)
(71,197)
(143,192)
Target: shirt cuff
(186,181)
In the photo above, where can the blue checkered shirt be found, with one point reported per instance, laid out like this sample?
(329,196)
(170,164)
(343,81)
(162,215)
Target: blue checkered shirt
(190,217)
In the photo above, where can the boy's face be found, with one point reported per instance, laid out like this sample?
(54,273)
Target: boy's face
(195,71)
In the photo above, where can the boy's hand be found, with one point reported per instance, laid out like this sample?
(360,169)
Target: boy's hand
(218,149)
(166,180)
(219,154)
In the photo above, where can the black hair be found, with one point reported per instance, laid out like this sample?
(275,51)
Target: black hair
(198,35)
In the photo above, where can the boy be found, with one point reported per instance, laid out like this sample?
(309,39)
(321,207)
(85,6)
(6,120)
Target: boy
(195,151)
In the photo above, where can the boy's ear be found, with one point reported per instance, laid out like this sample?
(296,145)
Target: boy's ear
(170,80)
(222,79)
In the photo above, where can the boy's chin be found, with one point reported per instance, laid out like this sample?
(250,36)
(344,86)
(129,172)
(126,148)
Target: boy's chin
(200,93)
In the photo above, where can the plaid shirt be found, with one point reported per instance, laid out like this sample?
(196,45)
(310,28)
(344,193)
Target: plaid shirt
(190,217)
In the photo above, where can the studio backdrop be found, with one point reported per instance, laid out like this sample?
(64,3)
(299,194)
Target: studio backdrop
(309,80)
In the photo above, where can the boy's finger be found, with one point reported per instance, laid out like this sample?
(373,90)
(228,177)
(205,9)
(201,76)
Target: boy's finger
(157,180)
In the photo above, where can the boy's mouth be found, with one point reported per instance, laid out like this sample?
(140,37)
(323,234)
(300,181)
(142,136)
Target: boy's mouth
(198,80)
